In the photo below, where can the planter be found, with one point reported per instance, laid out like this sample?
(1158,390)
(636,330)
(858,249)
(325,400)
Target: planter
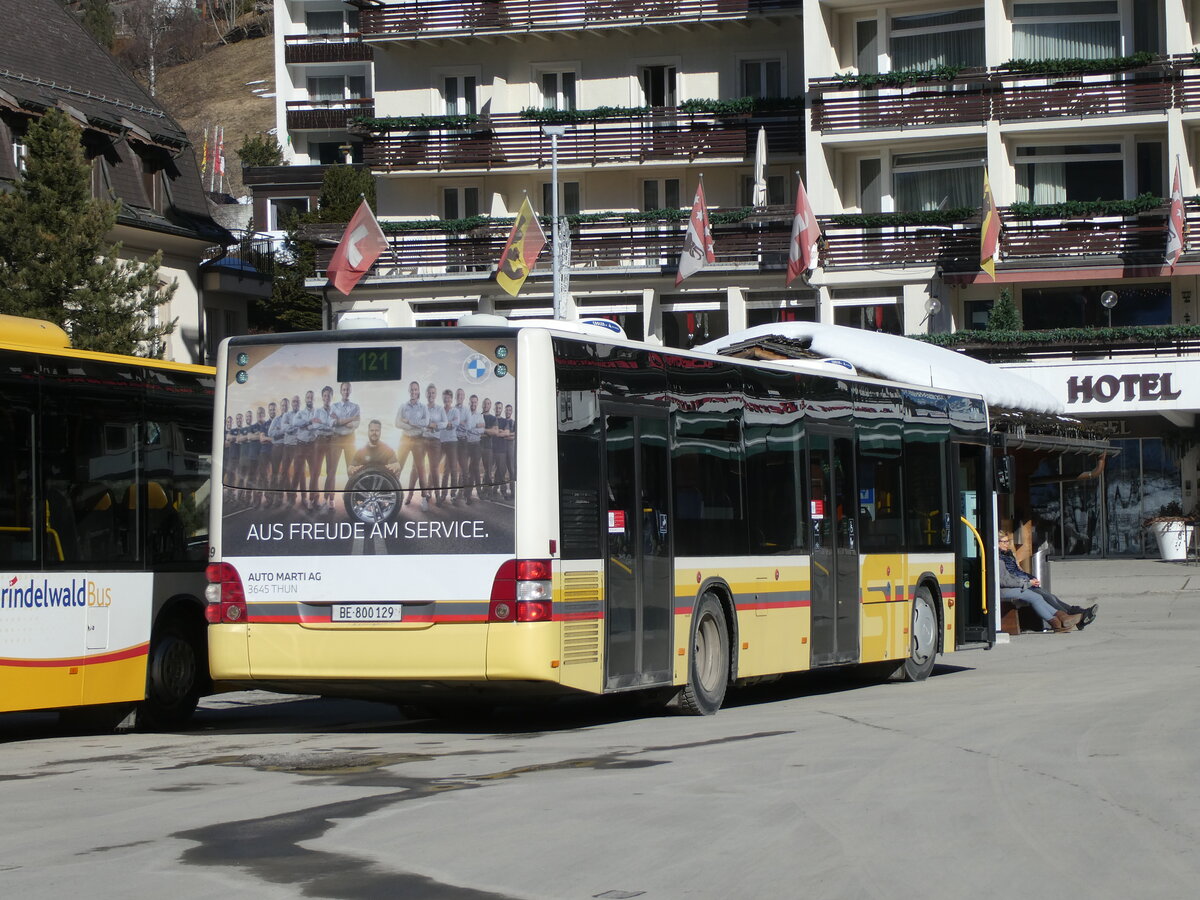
(1173,538)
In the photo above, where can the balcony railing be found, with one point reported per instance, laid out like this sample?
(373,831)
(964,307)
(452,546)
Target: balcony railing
(439,18)
(1139,241)
(611,243)
(327,115)
(509,140)
(978,95)
(761,241)
(326,48)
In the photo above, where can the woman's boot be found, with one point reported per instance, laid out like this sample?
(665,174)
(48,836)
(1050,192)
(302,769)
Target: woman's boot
(1063,622)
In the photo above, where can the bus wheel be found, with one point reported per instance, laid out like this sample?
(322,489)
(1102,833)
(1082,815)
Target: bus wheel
(924,638)
(173,677)
(708,670)
(372,495)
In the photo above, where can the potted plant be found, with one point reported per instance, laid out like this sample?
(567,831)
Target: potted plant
(1173,529)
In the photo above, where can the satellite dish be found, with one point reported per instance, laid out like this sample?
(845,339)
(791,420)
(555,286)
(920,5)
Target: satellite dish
(933,305)
(1108,299)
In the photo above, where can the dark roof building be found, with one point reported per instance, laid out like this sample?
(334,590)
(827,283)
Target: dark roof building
(140,157)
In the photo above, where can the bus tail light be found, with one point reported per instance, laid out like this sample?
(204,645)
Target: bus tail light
(522,591)
(225,596)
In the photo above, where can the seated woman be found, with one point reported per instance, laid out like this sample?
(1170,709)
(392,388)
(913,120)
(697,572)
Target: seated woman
(1021,587)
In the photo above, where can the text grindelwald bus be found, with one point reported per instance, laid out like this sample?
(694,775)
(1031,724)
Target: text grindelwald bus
(510,510)
(104,489)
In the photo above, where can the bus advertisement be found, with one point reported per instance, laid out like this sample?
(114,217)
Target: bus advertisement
(421,516)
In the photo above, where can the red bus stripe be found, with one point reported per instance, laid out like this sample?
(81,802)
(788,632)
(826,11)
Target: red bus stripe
(114,656)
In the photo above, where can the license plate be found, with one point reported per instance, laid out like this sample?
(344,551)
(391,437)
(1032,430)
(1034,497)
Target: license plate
(366,612)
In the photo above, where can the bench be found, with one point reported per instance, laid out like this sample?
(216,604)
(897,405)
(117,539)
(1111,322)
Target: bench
(1017,617)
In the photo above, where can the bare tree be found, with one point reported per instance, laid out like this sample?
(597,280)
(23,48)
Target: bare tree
(159,33)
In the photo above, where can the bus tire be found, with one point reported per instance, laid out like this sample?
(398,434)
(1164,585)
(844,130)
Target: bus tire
(372,495)
(924,633)
(708,668)
(174,676)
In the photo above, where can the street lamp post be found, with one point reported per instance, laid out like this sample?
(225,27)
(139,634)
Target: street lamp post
(555,132)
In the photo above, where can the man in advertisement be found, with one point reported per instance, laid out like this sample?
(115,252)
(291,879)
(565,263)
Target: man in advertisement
(448,440)
(435,421)
(321,427)
(471,427)
(486,450)
(291,443)
(411,419)
(305,441)
(373,452)
(344,418)
(280,452)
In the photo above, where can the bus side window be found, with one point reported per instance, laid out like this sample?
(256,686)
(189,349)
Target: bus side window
(16,484)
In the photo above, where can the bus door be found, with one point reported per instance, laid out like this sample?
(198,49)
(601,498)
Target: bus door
(637,584)
(974,505)
(833,514)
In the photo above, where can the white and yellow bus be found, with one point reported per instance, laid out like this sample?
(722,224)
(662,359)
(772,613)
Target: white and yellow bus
(634,518)
(104,489)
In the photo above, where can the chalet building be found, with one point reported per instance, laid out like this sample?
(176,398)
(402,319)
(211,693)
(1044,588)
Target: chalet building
(140,158)
(1078,112)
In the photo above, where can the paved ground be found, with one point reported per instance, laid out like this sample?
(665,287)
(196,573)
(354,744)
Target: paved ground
(1054,765)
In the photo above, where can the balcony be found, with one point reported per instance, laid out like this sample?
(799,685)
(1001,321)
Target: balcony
(327,115)
(760,240)
(977,95)
(612,243)
(511,141)
(326,48)
(1133,241)
(417,19)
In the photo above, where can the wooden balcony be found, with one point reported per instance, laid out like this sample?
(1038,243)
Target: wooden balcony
(326,48)
(510,141)
(611,244)
(417,19)
(327,115)
(1134,241)
(760,242)
(978,95)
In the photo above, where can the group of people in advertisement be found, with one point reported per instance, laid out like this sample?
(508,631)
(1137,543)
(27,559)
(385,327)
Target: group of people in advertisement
(457,450)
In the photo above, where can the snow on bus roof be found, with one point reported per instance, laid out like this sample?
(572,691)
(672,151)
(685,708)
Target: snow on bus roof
(904,359)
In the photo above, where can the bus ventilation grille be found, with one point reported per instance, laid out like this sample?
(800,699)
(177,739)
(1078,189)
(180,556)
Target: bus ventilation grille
(581,636)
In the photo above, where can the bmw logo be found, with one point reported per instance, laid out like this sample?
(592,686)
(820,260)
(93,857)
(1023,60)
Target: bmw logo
(476,368)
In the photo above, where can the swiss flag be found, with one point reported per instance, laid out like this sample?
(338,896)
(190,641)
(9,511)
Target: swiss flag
(806,231)
(698,241)
(360,246)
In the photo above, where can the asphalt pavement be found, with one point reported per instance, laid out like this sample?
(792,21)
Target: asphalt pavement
(1054,765)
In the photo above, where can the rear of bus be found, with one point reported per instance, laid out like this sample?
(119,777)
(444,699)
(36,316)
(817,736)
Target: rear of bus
(373,540)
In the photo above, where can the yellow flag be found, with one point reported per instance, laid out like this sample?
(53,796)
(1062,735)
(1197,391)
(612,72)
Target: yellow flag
(525,242)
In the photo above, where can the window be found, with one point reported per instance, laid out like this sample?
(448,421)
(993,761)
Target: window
(925,476)
(153,184)
(1079,306)
(977,313)
(774,446)
(20,156)
(880,449)
(558,90)
(706,468)
(568,198)
(1151,169)
(458,95)
(762,78)
(944,38)
(776,190)
(866,46)
(282,209)
(325,90)
(870,185)
(1053,174)
(460,202)
(322,23)
(883,316)
(658,85)
(937,180)
(660,193)
(101,185)
(686,328)
(17,501)
(1065,29)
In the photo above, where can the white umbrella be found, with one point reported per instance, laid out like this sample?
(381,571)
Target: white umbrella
(760,169)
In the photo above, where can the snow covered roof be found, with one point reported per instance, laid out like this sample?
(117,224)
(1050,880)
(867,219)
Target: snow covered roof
(903,359)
